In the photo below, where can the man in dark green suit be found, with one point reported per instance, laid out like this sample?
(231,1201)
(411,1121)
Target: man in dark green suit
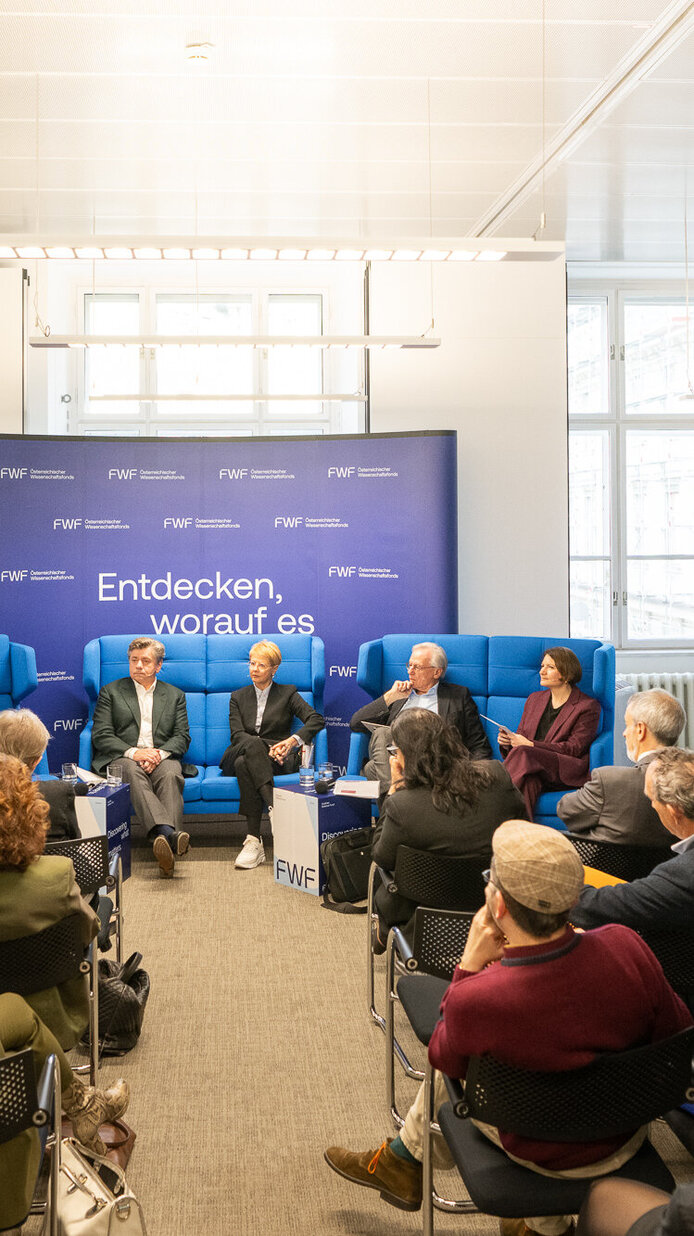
(141,731)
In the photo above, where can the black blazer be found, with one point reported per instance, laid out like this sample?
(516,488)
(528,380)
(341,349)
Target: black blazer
(117,721)
(456,706)
(60,796)
(410,818)
(283,704)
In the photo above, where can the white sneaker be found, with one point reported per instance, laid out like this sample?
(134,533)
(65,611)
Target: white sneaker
(252,854)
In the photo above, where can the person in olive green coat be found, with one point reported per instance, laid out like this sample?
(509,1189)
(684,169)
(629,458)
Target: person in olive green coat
(36,891)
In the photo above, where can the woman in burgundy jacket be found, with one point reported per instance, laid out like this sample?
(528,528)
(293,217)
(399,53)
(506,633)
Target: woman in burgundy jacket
(550,748)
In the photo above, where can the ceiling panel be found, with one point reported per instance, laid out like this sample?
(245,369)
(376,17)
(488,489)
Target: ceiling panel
(338,116)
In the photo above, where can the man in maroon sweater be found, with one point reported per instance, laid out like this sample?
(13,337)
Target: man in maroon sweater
(525,991)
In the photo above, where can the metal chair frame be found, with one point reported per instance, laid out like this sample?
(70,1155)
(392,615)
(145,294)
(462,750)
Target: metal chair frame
(567,1096)
(40,1107)
(441,881)
(93,872)
(46,958)
(427,955)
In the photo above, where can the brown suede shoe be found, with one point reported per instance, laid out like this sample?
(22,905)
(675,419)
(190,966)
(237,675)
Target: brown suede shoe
(164,855)
(518,1227)
(398,1181)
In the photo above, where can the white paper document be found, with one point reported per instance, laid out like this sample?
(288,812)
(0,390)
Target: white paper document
(357,789)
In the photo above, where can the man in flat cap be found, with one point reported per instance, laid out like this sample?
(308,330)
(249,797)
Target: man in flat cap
(525,992)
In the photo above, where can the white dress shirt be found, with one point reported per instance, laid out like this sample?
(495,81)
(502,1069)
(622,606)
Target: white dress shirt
(145,698)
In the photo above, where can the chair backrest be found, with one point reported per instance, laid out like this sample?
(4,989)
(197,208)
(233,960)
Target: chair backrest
(18,676)
(615,1094)
(106,659)
(52,956)
(627,862)
(89,857)
(18,1099)
(438,940)
(675,952)
(441,881)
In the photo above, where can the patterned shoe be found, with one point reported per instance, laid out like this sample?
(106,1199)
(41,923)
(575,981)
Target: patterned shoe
(88,1109)
(518,1227)
(398,1181)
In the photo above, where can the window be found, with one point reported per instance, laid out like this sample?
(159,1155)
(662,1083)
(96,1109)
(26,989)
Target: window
(192,390)
(631,469)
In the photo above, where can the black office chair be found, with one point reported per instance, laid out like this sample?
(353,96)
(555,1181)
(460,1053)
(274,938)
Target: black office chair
(441,881)
(614,1095)
(94,871)
(23,1106)
(627,862)
(439,939)
(47,958)
(675,952)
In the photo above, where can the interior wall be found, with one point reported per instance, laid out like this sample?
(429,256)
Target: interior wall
(11,349)
(499,379)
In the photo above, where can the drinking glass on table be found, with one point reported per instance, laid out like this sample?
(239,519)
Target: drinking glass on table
(69,774)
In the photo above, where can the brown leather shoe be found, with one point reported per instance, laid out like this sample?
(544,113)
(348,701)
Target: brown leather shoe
(398,1181)
(518,1227)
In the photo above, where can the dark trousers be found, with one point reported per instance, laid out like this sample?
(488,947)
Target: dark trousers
(247,759)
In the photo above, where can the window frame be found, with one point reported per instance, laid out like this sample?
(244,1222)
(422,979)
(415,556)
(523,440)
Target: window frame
(618,293)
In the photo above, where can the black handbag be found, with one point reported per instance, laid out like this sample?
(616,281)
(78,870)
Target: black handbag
(123,995)
(347,861)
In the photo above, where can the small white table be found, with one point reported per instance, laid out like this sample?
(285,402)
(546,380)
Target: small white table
(301,820)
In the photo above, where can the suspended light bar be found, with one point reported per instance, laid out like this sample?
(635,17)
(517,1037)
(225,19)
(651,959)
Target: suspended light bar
(234,341)
(272,249)
(255,398)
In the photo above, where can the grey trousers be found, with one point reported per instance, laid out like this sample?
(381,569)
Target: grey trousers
(156,797)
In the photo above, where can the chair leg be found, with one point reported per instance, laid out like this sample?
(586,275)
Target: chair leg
(118,912)
(393,1048)
(371,921)
(93,1014)
(430,1198)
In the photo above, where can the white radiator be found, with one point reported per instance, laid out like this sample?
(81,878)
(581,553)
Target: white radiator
(679,685)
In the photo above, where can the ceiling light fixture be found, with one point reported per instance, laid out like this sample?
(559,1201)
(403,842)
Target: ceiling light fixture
(234,341)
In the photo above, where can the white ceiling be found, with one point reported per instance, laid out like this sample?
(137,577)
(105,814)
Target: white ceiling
(347,118)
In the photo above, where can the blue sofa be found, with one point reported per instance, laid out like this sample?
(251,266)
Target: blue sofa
(18,678)
(208,668)
(500,671)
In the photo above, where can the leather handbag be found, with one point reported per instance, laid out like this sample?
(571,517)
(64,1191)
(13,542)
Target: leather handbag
(123,995)
(86,1205)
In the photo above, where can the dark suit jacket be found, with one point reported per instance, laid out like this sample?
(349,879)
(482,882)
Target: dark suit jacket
(410,818)
(117,721)
(60,796)
(456,706)
(662,901)
(568,739)
(612,806)
(283,704)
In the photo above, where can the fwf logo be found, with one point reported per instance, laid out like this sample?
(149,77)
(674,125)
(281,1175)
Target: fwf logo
(288,521)
(343,671)
(296,875)
(178,521)
(342,572)
(341,472)
(232,474)
(72,723)
(68,525)
(122,474)
(13,474)
(13,577)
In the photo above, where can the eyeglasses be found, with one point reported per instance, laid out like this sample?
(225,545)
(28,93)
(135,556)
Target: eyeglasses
(392,749)
(487,876)
(410,667)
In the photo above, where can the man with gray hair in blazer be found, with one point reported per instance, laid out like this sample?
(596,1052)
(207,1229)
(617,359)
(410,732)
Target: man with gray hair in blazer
(612,805)
(141,731)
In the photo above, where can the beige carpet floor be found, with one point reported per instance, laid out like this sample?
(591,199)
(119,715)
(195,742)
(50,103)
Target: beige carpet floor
(256,1053)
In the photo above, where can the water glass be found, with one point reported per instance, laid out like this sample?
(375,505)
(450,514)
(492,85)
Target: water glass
(306,779)
(113,775)
(69,774)
(325,771)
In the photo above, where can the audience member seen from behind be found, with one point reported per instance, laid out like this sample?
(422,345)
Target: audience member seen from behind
(37,890)
(262,747)
(549,750)
(525,992)
(23,735)
(612,805)
(439,800)
(87,1107)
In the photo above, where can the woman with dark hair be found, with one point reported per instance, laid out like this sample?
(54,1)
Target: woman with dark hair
(549,750)
(439,800)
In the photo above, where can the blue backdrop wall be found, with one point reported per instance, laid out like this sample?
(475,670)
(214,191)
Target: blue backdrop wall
(346,537)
